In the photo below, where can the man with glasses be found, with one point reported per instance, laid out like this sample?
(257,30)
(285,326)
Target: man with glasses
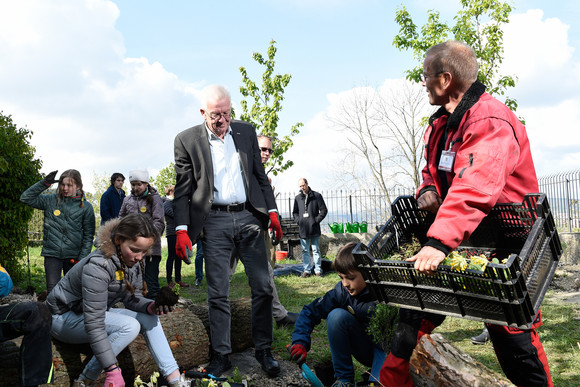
(223,197)
(478,155)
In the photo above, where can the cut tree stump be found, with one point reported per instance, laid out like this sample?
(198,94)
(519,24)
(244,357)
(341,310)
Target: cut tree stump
(436,362)
(186,329)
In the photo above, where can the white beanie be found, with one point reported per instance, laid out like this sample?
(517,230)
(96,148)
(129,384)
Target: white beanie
(139,175)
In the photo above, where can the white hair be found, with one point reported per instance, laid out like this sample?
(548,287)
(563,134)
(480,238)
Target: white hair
(214,92)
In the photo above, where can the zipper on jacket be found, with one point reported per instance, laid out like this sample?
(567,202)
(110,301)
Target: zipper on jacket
(470,164)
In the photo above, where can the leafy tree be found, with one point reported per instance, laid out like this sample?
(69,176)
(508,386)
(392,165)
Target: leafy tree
(384,128)
(18,171)
(266,106)
(479,24)
(165,177)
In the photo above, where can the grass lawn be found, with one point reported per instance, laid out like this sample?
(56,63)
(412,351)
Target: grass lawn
(559,334)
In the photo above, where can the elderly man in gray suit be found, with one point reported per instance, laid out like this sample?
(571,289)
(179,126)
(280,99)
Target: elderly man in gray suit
(223,197)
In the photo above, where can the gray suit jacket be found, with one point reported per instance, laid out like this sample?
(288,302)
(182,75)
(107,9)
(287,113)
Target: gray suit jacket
(195,186)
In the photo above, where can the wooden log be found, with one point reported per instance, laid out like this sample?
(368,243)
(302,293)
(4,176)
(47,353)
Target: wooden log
(437,362)
(185,333)
(186,329)
(241,323)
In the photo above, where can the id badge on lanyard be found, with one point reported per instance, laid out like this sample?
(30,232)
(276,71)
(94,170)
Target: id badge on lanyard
(447,159)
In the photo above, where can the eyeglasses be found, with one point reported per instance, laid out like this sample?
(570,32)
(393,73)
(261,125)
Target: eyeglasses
(267,150)
(423,77)
(218,116)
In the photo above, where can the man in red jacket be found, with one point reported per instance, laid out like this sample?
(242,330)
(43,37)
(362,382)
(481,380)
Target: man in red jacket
(477,154)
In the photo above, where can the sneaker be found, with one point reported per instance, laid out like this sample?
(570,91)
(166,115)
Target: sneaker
(197,283)
(342,383)
(319,274)
(83,383)
(305,274)
(289,319)
(482,338)
(218,365)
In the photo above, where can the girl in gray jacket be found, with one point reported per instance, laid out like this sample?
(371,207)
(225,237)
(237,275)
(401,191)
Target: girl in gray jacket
(145,200)
(81,303)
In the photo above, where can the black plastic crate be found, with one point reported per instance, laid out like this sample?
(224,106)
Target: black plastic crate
(505,294)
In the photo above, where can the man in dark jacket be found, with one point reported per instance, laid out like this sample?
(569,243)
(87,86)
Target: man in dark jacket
(112,199)
(309,210)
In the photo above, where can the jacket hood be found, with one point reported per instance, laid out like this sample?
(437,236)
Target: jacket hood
(104,241)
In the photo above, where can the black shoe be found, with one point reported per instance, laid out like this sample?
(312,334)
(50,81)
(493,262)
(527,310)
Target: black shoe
(269,365)
(218,365)
(289,319)
(197,283)
(482,338)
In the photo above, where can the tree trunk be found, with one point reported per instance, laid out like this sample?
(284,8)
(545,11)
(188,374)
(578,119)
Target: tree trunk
(436,362)
(186,329)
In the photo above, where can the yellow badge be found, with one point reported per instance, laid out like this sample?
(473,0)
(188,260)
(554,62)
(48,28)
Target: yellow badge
(143,209)
(120,275)
(56,212)
(350,309)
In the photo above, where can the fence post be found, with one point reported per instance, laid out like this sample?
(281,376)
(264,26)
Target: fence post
(568,204)
(350,205)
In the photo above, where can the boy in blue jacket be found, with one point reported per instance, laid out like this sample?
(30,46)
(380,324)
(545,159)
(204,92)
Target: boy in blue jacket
(347,309)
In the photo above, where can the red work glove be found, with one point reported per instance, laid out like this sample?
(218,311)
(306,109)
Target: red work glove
(183,246)
(114,378)
(297,353)
(275,225)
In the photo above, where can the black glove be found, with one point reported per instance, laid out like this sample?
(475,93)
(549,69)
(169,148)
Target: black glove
(49,179)
(166,299)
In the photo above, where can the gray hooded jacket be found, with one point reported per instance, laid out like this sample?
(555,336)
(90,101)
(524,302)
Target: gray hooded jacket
(93,286)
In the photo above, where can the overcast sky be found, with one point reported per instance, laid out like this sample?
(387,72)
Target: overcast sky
(106,85)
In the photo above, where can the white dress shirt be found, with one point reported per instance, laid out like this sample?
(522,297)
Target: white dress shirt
(227,171)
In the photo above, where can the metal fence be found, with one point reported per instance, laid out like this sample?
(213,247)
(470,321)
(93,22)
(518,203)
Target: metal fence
(370,207)
(563,192)
(373,208)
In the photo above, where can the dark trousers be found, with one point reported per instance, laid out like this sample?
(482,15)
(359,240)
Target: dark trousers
(152,275)
(33,321)
(520,353)
(199,261)
(242,231)
(172,260)
(55,268)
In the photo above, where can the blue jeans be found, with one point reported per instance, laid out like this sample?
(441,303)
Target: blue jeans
(347,338)
(315,243)
(199,261)
(122,327)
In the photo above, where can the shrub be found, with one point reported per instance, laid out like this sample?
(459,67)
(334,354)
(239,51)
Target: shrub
(18,171)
